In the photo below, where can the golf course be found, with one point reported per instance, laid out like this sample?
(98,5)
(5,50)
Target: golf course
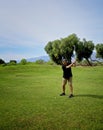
(29,98)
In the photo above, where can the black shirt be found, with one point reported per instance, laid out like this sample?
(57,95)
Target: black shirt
(67,72)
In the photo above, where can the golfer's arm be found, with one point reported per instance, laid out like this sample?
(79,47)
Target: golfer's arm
(70,65)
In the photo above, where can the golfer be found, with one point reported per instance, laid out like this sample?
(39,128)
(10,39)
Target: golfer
(67,76)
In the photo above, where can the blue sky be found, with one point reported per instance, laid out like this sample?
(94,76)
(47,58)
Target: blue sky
(26,26)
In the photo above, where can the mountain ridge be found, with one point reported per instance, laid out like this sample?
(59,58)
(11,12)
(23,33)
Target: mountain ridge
(46,58)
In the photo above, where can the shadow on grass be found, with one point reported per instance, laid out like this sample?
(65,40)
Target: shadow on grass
(90,95)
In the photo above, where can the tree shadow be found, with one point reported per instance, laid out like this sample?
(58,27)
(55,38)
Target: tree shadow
(90,95)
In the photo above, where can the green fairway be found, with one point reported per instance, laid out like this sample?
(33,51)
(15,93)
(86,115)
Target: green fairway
(29,98)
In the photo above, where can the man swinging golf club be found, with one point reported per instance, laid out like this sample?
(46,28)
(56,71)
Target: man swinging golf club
(67,76)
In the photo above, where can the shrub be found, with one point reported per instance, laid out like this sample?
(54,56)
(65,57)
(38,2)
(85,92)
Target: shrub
(23,62)
(40,61)
(2,61)
(12,62)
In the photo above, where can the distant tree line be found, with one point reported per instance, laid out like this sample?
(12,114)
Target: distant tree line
(13,62)
(64,48)
(23,62)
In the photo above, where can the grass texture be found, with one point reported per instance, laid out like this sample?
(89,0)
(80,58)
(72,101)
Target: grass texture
(29,98)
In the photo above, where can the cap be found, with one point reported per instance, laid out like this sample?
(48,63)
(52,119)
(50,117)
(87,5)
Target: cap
(64,60)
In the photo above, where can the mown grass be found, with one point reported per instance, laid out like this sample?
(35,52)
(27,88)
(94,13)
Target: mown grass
(29,98)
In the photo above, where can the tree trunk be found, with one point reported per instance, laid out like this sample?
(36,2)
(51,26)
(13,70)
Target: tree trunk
(88,62)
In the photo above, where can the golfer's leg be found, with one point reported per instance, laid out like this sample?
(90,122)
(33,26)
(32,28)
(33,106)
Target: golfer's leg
(71,85)
(64,81)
